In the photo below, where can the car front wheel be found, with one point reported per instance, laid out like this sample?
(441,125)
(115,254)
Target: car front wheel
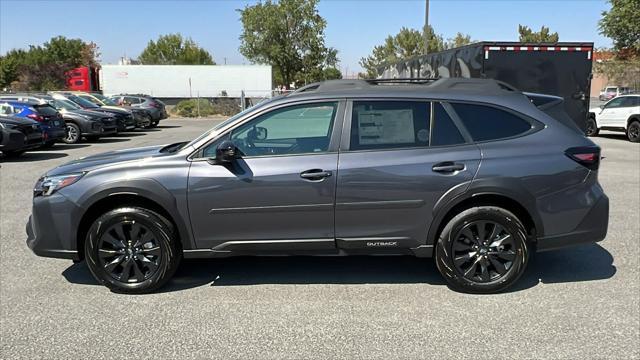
(482,250)
(73,134)
(132,250)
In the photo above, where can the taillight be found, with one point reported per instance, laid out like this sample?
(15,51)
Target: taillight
(36,117)
(587,156)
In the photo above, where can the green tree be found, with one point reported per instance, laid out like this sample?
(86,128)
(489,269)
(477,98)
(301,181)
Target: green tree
(542,36)
(331,73)
(288,35)
(622,24)
(44,67)
(404,45)
(173,49)
(459,40)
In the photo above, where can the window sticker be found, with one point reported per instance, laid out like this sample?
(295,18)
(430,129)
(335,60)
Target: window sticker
(385,127)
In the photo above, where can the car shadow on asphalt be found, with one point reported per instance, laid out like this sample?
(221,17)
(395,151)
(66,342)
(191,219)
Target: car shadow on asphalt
(618,136)
(32,156)
(110,140)
(167,126)
(72,146)
(585,263)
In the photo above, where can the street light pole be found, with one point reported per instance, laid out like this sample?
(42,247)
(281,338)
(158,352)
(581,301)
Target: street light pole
(426,27)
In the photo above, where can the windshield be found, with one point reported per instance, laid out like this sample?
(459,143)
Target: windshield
(105,100)
(63,104)
(228,121)
(82,102)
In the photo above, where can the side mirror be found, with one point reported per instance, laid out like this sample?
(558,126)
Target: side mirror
(226,152)
(258,133)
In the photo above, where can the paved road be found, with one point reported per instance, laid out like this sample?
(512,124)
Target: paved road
(578,303)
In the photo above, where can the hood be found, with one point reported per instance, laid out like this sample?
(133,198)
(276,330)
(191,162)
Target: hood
(112,110)
(107,159)
(89,113)
(120,108)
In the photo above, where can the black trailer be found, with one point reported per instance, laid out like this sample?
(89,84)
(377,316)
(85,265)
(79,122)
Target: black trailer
(561,69)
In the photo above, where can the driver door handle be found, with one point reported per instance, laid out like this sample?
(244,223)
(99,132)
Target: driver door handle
(315,174)
(447,167)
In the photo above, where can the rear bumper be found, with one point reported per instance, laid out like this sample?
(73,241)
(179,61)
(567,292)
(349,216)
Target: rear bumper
(54,133)
(592,228)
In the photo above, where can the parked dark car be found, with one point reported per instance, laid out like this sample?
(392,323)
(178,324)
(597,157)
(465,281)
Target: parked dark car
(143,117)
(154,106)
(80,123)
(50,119)
(469,171)
(18,135)
(124,118)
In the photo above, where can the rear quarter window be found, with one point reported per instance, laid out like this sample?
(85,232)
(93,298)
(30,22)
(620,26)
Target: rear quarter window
(486,123)
(46,110)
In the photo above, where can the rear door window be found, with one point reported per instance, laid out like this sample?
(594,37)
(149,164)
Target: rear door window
(389,124)
(486,123)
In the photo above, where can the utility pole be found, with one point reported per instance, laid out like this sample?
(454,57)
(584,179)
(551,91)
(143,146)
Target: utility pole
(427,33)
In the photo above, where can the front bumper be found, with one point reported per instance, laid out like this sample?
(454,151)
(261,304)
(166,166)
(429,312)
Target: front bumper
(592,228)
(51,229)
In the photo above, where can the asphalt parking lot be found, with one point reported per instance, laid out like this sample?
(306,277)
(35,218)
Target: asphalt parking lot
(577,303)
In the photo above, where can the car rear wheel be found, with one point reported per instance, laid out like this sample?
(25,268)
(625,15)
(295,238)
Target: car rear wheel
(592,127)
(73,134)
(633,131)
(148,121)
(482,250)
(132,250)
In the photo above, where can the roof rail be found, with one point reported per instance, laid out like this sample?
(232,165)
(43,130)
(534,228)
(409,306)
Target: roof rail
(401,81)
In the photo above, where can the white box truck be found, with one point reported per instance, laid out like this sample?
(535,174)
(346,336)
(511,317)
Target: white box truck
(186,81)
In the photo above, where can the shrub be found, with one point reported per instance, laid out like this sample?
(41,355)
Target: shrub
(220,106)
(189,108)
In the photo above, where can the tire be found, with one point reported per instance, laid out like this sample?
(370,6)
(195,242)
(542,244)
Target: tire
(148,121)
(73,134)
(592,127)
(633,131)
(109,254)
(154,123)
(476,270)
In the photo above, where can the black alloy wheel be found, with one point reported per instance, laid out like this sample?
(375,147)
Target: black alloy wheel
(132,250)
(483,251)
(129,252)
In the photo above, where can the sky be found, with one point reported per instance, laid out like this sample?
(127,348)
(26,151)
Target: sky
(353,27)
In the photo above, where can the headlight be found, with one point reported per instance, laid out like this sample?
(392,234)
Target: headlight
(47,185)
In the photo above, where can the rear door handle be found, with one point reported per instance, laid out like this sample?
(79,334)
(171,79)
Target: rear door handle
(315,174)
(447,167)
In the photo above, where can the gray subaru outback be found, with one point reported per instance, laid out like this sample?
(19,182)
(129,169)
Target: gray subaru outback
(472,173)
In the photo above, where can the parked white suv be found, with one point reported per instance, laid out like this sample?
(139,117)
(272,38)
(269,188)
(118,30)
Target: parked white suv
(619,114)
